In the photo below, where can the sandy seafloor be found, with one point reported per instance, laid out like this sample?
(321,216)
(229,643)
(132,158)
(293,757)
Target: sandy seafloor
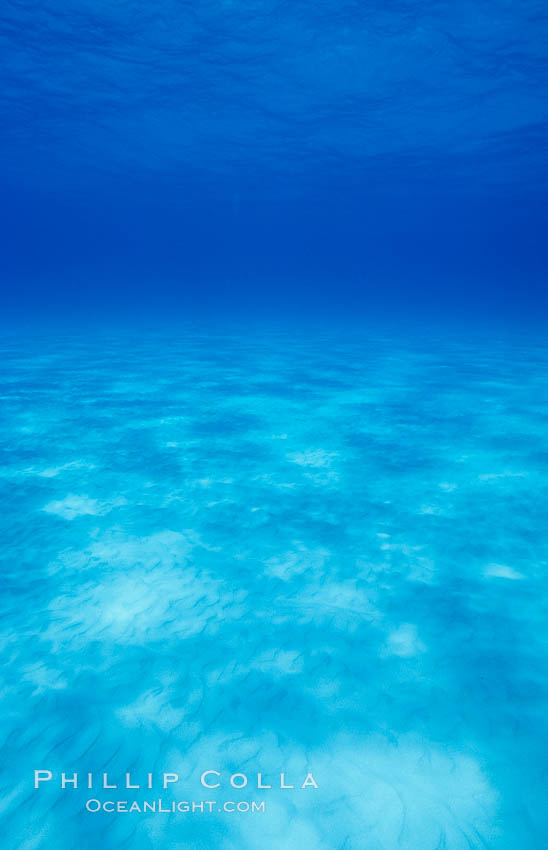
(265,550)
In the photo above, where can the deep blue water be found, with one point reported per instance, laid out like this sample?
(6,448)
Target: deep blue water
(251,155)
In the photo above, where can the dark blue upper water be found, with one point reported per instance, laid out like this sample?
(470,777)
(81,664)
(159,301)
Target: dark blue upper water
(273,154)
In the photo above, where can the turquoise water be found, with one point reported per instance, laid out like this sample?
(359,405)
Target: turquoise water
(276,551)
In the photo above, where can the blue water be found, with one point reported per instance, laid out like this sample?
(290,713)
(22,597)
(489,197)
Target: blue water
(266,155)
(269,550)
(273,422)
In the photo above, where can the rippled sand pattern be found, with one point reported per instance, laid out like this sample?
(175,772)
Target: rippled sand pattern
(276,552)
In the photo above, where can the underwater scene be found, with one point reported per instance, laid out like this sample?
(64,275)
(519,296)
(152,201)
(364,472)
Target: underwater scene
(273,425)
(317,554)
